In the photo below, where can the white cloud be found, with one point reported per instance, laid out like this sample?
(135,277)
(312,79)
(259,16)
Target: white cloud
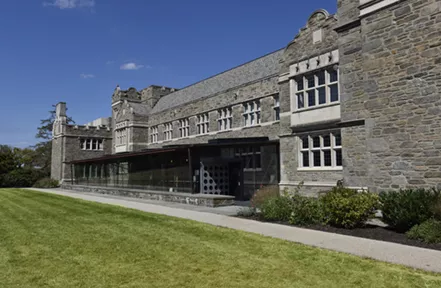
(110,62)
(70,4)
(87,76)
(131,66)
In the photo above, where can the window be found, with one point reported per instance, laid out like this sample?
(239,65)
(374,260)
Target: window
(91,144)
(168,131)
(276,108)
(203,124)
(316,89)
(321,150)
(154,134)
(184,128)
(225,119)
(251,157)
(121,137)
(251,113)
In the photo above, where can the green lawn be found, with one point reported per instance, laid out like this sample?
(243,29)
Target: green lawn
(53,241)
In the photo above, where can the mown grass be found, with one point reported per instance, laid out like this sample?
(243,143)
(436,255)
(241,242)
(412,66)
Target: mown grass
(53,241)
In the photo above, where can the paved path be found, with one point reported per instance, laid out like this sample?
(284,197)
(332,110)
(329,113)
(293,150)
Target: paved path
(420,258)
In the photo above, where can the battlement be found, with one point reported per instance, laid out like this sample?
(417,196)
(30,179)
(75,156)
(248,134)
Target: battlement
(153,93)
(130,94)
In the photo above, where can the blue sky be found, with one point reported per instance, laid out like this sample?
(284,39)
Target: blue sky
(77,51)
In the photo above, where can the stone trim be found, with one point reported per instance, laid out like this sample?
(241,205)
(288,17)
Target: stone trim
(370,6)
(313,64)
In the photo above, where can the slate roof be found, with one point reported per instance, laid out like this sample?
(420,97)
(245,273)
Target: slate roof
(259,68)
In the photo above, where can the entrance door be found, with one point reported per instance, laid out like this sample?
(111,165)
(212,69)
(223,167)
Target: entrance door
(236,180)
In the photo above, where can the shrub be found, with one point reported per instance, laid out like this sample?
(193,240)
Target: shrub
(437,209)
(276,208)
(306,210)
(22,177)
(428,231)
(263,194)
(46,183)
(406,208)
(247,212)
(348,208)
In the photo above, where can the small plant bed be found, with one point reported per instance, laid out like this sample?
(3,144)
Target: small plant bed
(412,216)
(368,231)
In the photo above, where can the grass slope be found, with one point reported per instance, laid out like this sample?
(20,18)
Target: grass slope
(54,241)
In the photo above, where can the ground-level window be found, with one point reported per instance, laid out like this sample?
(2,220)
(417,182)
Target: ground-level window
(91,144)
(251,157)
(203,124)
(276,108)
(154,134)
(184,127)
(321,150)
(318,88)
(251,113)
(225,119)
(168,131)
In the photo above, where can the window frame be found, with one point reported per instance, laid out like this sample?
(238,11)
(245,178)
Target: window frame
(203,124)
(276,107)
(154,133)
(334,149)
(225,119)
(251,113)
(168,131)
(87,144)
(184,128)
(251,152)
(327,86)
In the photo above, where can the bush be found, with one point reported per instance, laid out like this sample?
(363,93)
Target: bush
(406,208)
(263,194)
(437,209)
(22,177)
(428,231)
(276,208)
(306,210)
(46,183)
(348,208)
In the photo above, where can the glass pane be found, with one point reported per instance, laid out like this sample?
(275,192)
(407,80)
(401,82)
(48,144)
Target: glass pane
(251,106)
(334,92)
(276,101)
(326,141)
(316,142)
(327,158)
(305,143)
(337,139)
(257,161)
(338,157)
(305,158)
(229,123)
(277,114)
(321,78)
(317,158)
(245,118)
(249,161)
(311,98)
(300,101)
(258,117)
(322,95)
(300,85)
(333,76)
(311,81)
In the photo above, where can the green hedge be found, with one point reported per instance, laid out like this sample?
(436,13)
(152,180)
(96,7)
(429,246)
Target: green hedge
(306,210)
(406,208)
(348,208)
(46,183)
(428,231)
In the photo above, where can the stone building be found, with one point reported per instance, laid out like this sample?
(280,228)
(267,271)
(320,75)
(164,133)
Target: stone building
(354,96)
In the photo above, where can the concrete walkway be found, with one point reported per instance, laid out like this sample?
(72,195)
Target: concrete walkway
(419,258)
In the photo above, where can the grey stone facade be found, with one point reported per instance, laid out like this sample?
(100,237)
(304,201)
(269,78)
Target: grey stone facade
(387,57)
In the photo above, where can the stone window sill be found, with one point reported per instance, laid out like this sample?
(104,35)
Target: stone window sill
(319,169)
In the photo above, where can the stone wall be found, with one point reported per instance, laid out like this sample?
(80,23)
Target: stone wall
(391,79)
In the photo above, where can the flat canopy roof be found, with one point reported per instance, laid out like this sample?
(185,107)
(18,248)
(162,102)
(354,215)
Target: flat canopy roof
(122,156)
(174,148)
